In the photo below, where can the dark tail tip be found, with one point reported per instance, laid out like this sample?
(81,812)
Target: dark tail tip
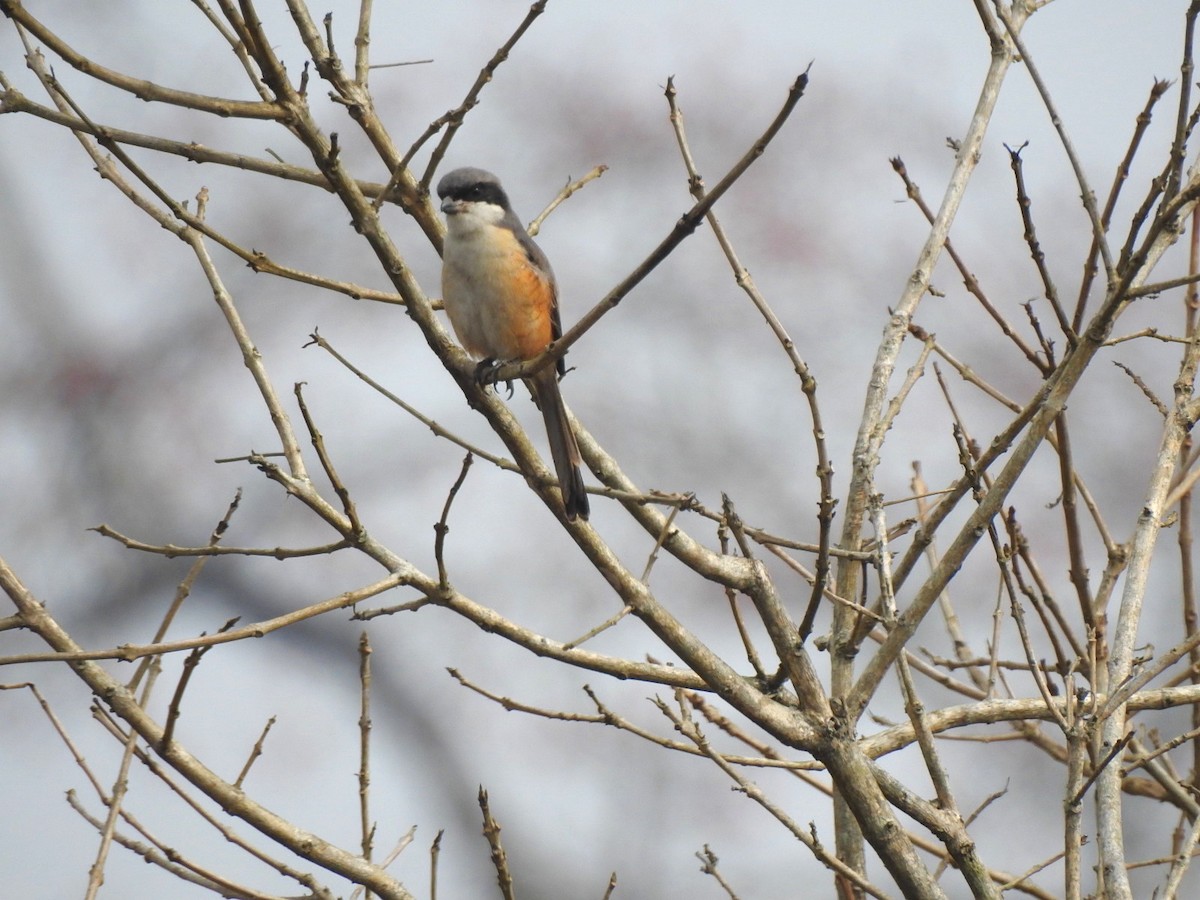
(575,498)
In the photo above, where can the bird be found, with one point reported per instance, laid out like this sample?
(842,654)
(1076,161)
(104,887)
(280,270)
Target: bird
(500,294)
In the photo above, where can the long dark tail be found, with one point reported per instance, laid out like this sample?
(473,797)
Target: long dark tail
(564,451)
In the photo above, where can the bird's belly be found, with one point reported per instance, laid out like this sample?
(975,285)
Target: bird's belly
(497,303)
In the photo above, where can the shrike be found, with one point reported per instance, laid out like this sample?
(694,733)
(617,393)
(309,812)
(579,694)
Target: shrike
(500,294)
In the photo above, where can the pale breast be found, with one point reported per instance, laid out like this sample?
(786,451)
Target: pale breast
(498,304)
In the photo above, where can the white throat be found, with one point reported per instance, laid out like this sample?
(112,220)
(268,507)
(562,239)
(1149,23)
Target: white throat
(473,218)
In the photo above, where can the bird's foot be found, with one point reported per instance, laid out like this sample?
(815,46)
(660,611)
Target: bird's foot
(486,374)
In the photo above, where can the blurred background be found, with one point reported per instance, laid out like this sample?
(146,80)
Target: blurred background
(120,385)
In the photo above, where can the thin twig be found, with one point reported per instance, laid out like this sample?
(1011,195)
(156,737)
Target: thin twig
(171,551)
(362,44)
(317,339)
(255,753)
(126,706)
(130,652)
(189,669)
(570,188)
(366,827)
(178,866)
(808,383)
(708,865)
(318,442)
(1089,270)
(435,852)
(143,90)
(970,282)
(691,731)
(1087,195)
(686,225)
(491,831)
(1035,247)
(453,120)
(442,528)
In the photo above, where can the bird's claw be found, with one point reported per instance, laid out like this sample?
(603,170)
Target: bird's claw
(486,374)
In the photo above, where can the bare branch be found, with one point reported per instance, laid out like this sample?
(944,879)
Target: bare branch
(126,706)
(143,90)
(491,831)
(682,230)
(454,119)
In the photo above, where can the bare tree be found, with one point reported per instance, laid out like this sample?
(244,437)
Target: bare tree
(825,623)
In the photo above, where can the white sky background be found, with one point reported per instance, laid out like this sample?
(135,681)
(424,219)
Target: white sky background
(119,385)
